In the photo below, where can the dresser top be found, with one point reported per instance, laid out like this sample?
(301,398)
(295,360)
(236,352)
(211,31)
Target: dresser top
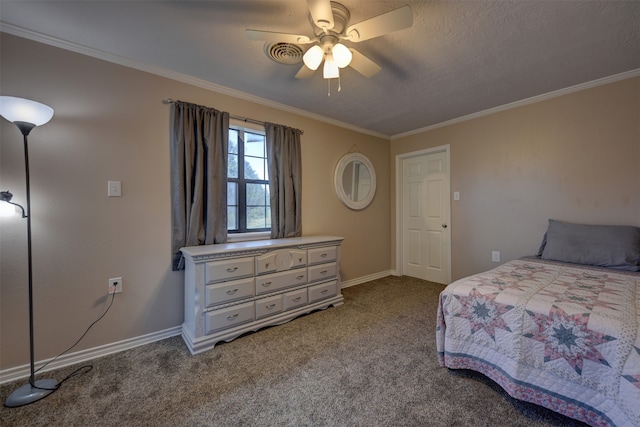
(203,250)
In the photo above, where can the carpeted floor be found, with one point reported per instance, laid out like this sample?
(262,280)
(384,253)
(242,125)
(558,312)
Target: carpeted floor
(370,362)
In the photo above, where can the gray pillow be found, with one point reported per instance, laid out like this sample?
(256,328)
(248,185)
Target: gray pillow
(613,246)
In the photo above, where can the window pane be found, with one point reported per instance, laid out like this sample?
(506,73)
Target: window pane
(232,166)
(256,217)
(232,194)
(232,206)
(254,145)
(247,202)
(254,168)
(232,218)
(257,194)
(233,141)
(266,170)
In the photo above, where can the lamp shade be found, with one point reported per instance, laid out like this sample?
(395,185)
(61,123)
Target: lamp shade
(341,55)
(330,70)
(24,110)
(313,57)
(7,209)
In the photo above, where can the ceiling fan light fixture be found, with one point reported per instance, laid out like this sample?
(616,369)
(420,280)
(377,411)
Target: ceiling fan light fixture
(313,57)
(330,70)
(341,55)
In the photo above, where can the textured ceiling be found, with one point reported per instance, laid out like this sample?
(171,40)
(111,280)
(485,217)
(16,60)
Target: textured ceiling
(458,58)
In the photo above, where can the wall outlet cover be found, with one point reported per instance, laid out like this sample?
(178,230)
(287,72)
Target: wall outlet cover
(115,285)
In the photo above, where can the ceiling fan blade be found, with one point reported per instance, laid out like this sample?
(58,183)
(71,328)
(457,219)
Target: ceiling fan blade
(363,65)
(269,36)
(321,13)
(304,73)
(389,22)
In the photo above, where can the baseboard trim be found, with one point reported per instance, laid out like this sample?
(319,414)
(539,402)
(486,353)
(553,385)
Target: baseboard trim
(365,279)
(23,371)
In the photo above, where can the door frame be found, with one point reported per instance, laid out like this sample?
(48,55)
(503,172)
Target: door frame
(399,199)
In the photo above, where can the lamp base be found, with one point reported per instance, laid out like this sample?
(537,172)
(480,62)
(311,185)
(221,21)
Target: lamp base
(29,394)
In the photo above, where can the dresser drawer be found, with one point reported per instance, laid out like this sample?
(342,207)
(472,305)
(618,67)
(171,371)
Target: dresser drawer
(276,281)
(228,317)
(228,291)
(319,255)
(322,271)
(295,299)
(280,260)
(322,291)
(218,271)
(268,306)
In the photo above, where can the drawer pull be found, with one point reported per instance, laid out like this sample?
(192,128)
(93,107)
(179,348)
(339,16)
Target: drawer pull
(323,255)
(231,269)
(266,265)
(296,299)
(233,316)
(300,277)
(232,291)
(323,272)
(324,291)
(266,284)
(270,306)
(300,259)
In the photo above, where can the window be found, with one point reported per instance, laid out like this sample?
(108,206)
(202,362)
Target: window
(248,205)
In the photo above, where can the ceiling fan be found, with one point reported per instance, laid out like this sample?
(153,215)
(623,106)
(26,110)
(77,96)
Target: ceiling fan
(329,21)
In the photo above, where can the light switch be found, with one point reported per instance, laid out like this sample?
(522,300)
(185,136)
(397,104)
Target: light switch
(456,195)
(114,189)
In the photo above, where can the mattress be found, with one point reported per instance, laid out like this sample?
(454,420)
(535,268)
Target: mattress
(563,336)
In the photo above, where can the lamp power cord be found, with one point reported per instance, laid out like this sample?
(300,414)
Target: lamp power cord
(85,368)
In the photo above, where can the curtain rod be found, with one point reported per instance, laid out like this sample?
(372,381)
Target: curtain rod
(244,119)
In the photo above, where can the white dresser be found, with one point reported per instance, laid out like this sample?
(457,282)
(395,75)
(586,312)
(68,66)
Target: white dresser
(234,288)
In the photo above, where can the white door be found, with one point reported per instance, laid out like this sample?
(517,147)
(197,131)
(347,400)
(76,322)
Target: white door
(426,236)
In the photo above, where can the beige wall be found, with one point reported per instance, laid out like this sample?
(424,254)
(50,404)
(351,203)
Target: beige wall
(110,124)
(572,158)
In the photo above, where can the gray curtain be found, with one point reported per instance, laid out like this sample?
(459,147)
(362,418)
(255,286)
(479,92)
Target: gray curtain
(285,180)
(199,147)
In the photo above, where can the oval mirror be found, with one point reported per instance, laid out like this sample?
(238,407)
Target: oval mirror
(355,181)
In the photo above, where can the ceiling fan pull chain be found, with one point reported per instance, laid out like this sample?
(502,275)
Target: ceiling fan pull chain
(339,86)
(329,87)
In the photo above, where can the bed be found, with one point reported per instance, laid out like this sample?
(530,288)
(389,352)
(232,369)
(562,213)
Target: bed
(560,329)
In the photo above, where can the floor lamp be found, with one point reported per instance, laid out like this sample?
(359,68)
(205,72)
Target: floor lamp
(27,114)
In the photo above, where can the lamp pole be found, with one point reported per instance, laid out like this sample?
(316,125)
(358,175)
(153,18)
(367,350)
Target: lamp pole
(27,114)
(25,129)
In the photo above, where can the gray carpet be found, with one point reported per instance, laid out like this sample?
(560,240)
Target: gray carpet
(370,362)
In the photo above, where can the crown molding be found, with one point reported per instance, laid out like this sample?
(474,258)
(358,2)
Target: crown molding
(173,75)
(527,101)
(184,78)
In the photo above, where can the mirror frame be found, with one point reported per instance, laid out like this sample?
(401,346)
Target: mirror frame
(337,181)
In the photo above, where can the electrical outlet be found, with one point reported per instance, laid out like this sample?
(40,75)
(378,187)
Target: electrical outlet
(115,285)
(495,256)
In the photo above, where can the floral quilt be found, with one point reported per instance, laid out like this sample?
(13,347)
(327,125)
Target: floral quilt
(558,335)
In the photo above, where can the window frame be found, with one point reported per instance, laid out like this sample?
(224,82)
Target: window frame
(242,233)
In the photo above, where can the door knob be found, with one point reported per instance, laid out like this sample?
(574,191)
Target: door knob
(444,225)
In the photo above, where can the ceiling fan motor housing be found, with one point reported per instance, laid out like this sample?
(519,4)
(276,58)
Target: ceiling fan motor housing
(289,53)
(341,18)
